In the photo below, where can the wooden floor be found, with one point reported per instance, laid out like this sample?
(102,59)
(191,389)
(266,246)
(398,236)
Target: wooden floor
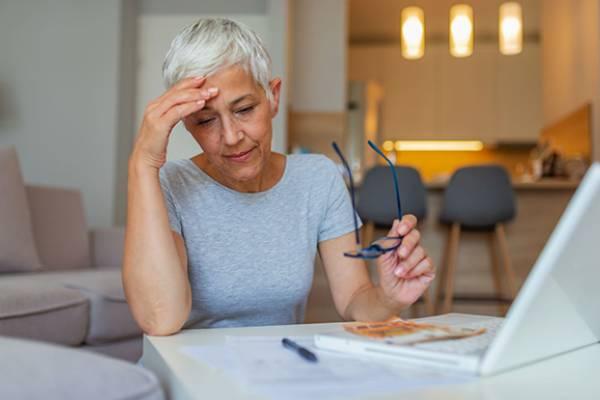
(538,211)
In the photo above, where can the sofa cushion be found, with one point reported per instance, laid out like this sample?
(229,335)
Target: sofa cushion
(43,371)
(59,227)
(108,247)
(110,317)
(17,243)
(31,308)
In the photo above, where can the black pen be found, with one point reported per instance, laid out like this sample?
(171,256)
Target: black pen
(302,352)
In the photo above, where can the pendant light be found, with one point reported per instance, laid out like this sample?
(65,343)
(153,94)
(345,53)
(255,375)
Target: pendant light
(413,33)
(461,30)
(511,28)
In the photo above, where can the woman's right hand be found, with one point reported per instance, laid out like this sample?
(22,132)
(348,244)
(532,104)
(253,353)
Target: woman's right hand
(162,114)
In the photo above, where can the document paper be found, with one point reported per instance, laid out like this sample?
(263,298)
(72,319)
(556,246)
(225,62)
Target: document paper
(264,366)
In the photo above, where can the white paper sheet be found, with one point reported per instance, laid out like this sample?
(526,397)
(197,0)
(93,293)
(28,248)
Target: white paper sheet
(264,366)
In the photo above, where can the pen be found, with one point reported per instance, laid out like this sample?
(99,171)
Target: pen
(302,352)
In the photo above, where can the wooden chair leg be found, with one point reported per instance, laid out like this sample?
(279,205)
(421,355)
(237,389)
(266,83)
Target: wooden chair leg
(413,311)
(428,302)
(496,273)
(451,268)
(443,273)
(511,278)
(367,234)
(428,306)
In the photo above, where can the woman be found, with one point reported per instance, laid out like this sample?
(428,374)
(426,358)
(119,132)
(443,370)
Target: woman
(229,237)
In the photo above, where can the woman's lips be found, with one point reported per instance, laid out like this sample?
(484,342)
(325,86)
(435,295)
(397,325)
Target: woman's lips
(240,157)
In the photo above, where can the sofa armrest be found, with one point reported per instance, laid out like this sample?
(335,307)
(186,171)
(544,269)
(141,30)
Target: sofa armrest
(108,245)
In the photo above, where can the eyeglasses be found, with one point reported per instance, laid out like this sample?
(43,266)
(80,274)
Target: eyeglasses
(384,244)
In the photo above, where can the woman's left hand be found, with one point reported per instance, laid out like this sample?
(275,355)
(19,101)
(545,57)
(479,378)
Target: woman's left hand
(405,273)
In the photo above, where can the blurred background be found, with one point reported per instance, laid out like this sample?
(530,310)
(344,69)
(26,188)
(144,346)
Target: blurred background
(437,87)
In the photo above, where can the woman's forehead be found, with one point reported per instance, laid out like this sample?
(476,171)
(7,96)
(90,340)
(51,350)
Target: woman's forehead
(235,87)
(227,102)
(233,81)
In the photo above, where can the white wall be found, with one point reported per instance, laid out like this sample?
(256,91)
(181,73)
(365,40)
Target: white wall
(279,15)
(181,7)
(319,55)
(59,96)
(571,60)
(126,110)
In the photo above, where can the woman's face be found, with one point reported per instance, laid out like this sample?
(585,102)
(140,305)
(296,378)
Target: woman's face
(234,128)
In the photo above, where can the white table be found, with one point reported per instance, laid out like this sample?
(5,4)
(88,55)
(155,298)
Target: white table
(575,375)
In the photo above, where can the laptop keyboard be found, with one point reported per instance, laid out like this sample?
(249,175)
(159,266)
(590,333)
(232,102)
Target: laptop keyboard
(471,345)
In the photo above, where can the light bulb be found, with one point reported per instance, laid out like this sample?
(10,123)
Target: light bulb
(511,28)
(461,30)
(413,33)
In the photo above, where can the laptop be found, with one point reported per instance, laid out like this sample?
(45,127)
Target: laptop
(556,311)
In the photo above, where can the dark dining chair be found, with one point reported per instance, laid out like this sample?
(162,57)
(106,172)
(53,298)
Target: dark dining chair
(478,198)
(376,198)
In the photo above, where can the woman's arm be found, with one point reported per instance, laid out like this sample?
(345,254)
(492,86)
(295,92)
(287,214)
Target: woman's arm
(155,262)
(354,294)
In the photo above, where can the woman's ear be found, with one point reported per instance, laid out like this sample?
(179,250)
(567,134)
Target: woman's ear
(275,88)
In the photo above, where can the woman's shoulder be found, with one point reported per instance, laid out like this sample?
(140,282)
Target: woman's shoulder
(313,173)
(180,173)
(172,168)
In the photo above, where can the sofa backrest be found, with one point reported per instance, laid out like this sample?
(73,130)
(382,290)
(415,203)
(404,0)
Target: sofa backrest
(17,245)
(59,227)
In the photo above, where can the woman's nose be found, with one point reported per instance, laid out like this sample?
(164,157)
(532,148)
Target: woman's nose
(232,134)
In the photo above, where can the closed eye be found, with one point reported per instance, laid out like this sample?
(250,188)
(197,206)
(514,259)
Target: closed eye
(245,109)
(205,121)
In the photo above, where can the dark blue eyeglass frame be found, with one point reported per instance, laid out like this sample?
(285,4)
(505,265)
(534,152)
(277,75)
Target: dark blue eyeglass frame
(384,244)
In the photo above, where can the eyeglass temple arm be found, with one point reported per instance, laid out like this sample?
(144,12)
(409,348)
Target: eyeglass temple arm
(393,168)
(339,153)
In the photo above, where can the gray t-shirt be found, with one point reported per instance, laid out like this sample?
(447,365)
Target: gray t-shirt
(251,255)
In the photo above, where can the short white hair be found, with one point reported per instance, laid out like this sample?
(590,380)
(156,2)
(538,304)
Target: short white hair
(210,44)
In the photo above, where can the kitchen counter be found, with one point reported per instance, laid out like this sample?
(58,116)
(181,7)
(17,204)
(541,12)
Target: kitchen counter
(543,184)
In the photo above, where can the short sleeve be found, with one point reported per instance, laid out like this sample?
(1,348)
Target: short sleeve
(172,209)
(338,219)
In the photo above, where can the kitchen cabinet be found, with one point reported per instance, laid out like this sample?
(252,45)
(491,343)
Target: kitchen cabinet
(487,96)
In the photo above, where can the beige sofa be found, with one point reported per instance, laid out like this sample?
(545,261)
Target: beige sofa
(59,281)
(35,370)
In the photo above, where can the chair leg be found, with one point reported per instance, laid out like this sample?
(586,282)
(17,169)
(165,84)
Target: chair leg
(368,232)
(413,311)
(451,267)
(511,279)
(496,273)
(428,306)
(443,273)
(428,302)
